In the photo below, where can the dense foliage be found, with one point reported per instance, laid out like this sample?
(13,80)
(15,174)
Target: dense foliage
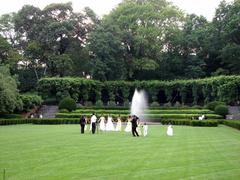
(199,91)
(67,103)
(214,104)
(221,110)
(138,40)
(30,101)
(9,96)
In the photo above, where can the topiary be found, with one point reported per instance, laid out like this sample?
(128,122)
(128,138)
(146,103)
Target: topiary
(221,110)
(99,103)
(214,104)
(68,103)
(154,104)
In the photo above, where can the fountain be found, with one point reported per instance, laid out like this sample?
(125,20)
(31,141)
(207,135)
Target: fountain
(139,104)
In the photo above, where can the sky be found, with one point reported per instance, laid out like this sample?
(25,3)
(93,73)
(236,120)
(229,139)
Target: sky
(101,7)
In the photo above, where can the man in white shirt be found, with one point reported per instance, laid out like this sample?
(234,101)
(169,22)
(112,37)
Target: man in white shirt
(93,123)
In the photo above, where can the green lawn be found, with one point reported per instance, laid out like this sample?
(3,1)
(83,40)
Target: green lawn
(61,152)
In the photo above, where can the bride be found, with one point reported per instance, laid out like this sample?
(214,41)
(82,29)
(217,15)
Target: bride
(102,123)
(109,125)
(129,125)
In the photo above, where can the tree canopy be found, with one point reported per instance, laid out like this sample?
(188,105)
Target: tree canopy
(139,39)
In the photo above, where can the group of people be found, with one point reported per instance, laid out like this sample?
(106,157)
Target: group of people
(133,125)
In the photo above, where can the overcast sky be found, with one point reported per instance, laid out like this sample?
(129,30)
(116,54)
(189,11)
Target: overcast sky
(101,7)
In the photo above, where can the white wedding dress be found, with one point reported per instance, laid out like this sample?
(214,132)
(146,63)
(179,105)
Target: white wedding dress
(119,125)
(109,125)
(170,130)
(128,127)
(102,124)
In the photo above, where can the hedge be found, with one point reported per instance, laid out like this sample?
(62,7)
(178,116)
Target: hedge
(40,121)
(150,111)
(207,123)
(14,121)
(232,123)
(196,91)
(148,116)
(55,121)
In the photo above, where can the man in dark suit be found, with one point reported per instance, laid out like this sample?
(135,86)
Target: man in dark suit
(82,124)
(134,125)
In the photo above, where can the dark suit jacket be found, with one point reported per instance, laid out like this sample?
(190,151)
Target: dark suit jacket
(82,121)
(134,122)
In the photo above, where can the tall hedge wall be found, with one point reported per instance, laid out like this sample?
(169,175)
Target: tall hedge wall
(196,91)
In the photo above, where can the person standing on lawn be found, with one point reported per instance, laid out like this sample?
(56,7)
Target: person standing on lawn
(82,123)
(93,123)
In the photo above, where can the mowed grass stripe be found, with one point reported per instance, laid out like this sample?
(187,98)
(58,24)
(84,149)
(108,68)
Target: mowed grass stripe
(60,152)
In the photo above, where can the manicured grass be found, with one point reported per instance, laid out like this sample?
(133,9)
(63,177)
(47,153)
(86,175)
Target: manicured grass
(61,152)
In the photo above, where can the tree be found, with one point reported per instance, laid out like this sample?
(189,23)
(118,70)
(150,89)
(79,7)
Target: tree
(107,59)
(140,29)
(8,55)
(9,100)
(53,31)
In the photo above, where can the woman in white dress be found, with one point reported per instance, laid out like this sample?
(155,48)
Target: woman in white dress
(129,125)
(102,123)
(109,125)
(119,124)
(170,130)
(139,128)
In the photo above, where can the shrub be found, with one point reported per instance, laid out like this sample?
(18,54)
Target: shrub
(30,101)
(209,123)
(212,105)
(4,122)
(221,110)
(68,103)
(154,104)
(63,111)
(232,123)
(99,103)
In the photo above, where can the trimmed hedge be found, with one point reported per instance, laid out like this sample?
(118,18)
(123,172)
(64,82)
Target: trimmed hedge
(212,105)
(14,121)
(207,123)
(150,111)
(232,123)
(148,116)
(40,121)
(55,121)
(221,110)
(221,88)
